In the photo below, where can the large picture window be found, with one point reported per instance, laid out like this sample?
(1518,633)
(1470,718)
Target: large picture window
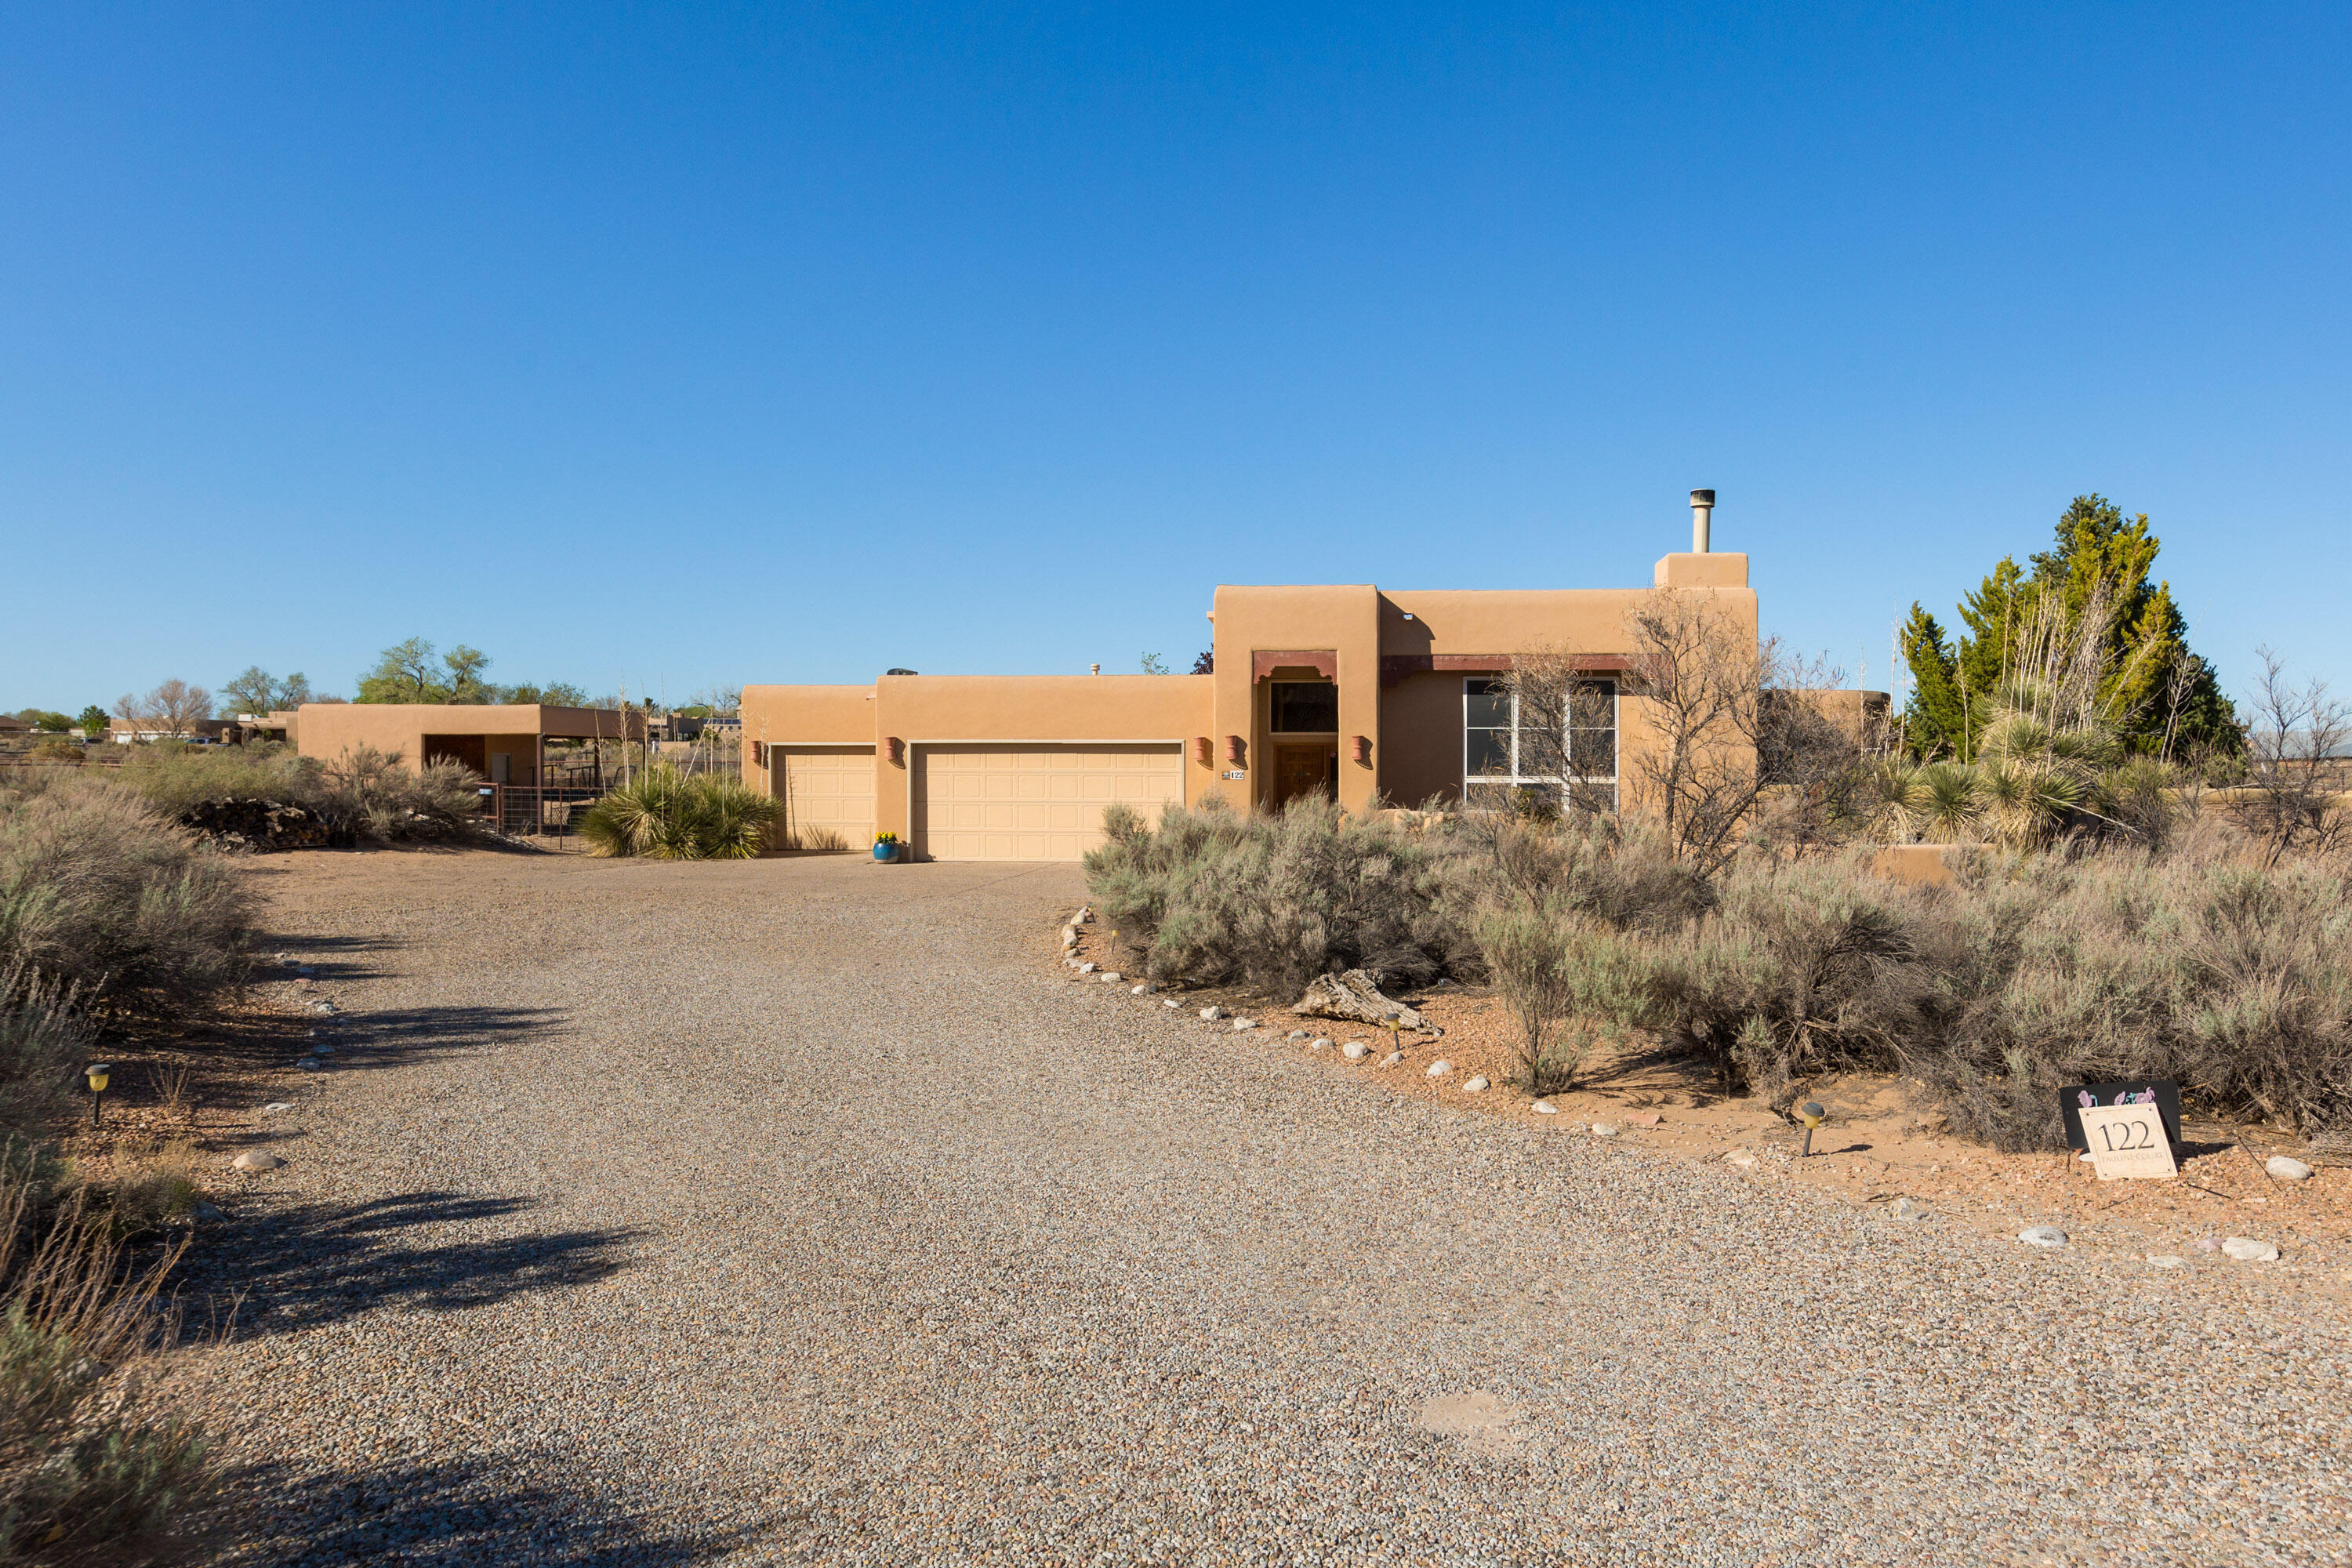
(1503,750)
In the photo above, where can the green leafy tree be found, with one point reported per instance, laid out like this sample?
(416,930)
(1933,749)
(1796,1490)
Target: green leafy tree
(407,672)
(2166,698)
(403,673)
(252,693)
(46,722)
(92,722)
(465,666)
(556,694)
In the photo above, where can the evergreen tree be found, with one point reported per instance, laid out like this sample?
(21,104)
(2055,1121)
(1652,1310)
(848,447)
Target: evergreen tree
(2166,697)
(1933,720)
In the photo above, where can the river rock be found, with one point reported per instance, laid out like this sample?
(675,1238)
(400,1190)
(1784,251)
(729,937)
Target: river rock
(2042,1235)
(2246,1250)
(257,1160)
(2282,1169)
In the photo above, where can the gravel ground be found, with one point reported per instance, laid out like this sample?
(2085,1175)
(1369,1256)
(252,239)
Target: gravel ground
(803,1210)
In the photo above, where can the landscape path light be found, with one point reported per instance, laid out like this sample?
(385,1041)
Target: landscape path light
(1814,1116)
(97,1073)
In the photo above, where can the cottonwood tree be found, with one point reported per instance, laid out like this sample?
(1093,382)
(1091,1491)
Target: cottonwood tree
(407,672)
(173,709)
(257,691)
(2290,741)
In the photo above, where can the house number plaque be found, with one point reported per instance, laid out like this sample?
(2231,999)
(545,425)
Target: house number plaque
(2128,1142)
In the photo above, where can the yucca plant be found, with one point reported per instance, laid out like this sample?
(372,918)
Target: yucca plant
(665,815)
(1949,802)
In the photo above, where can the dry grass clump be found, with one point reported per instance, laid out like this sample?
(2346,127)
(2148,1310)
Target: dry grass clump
(102,895)
(667,814)
(1274,900)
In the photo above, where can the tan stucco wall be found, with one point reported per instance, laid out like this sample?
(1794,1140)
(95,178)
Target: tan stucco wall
(784,714)
(328,729)
(1422,757)
(1344,620)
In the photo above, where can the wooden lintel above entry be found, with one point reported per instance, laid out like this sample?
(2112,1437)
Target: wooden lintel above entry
(1323,661)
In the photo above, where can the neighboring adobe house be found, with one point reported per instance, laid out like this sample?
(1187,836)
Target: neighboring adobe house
(502,742)
(1371,695)
(124,733)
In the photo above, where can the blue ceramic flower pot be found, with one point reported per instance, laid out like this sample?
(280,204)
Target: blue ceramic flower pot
(885,852)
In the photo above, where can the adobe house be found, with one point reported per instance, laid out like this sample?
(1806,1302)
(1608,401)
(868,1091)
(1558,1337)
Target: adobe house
(1372,695)
(505,743)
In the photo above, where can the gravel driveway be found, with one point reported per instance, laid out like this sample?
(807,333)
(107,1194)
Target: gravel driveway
(801,1211)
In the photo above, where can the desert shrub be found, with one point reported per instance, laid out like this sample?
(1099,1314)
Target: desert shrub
(373,794)
(101,894)
(1556,899)
(2034,971)
(665,814)
(90,1471)
(1802,965)
(365,795)
(42,1040)
(176,776)
(1274,900)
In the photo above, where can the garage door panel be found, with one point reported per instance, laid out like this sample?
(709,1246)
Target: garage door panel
(1033,802)
(825,789)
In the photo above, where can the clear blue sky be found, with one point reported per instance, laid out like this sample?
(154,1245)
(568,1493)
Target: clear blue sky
(677,345)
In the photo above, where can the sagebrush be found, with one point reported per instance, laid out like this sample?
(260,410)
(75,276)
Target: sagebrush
(1272,900)
(102,894)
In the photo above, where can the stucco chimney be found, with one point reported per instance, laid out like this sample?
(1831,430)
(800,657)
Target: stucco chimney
(1701,511)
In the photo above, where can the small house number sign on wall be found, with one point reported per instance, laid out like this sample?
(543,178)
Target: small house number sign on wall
(2128,1142)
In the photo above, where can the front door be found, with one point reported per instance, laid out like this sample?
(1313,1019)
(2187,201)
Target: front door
(1304,769)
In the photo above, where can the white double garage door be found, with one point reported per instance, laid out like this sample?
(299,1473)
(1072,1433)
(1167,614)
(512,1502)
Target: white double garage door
(980,800)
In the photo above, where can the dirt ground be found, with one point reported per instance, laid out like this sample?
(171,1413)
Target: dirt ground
(1880,1142)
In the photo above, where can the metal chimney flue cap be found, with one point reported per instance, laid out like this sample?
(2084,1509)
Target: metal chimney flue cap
(1702,498)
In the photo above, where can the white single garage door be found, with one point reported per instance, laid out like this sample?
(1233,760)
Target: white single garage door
(982,802)
(828,793)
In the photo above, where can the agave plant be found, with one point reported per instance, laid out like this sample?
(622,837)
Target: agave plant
(665,815)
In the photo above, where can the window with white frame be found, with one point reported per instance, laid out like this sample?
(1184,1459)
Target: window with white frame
(1498,755)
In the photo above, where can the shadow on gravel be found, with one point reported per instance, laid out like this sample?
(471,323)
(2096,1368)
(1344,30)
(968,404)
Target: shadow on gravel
(509,1511)
(395,1036)
(310,1264)
(333,957)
